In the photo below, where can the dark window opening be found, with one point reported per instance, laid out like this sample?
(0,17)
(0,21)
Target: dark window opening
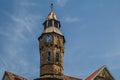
(57,56)
(56,24)
(48,56)
(42,58)
(58,37)
(58,40)
(50,23)
(45,25)
(17,78)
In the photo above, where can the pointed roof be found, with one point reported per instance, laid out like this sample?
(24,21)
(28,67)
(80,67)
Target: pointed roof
(97,73)
(13,76)
(52,15)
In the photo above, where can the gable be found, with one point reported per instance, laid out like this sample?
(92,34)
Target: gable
(6,77)
(104,74)
(11,76)
(101,74)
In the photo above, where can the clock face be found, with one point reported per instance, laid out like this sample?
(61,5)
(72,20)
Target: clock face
(48,38)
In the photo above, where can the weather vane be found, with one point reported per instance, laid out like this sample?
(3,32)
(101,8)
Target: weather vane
(51,6)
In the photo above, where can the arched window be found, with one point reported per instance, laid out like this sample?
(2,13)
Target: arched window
(48,56)
(57,56)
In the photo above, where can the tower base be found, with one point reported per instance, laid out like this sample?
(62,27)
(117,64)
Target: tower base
(49,77)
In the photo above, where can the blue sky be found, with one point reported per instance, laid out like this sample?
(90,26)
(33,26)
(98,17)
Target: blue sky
(91,29)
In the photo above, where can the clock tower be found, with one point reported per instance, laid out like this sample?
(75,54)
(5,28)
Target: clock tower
(51,46)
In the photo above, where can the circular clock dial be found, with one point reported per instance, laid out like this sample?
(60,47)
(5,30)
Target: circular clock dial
(48,38)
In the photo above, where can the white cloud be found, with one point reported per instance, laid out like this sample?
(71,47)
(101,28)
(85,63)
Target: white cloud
(71,19)
(3,64)
(112,55)
(62,2)
(22,22)
(25,21)
(4,33)
(27,4)
(114,67)
(15,34)
(23,62)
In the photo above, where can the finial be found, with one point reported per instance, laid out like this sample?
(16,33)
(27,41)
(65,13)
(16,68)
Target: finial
(51,6)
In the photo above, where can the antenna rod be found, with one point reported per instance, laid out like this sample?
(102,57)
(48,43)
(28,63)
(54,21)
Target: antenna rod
(51,6)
